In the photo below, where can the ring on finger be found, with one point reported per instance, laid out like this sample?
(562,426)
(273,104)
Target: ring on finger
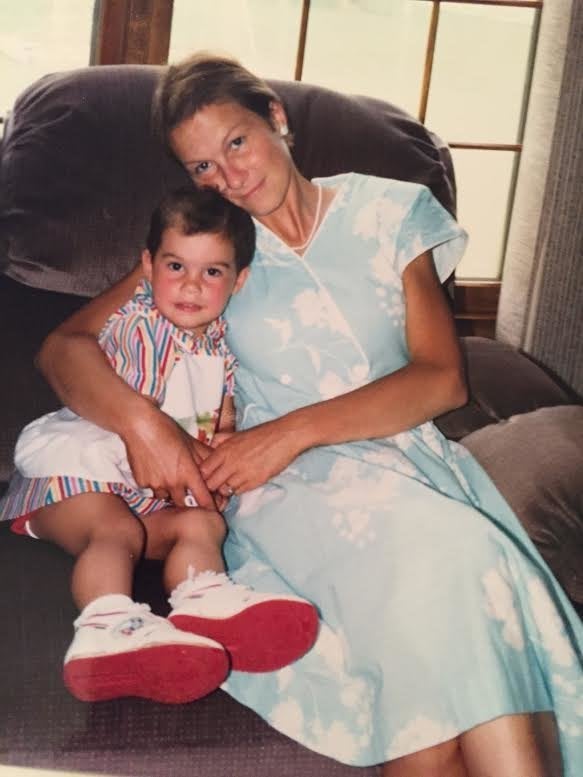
(230,490)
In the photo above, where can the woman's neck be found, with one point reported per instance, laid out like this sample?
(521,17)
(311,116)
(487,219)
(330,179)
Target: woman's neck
(296,220)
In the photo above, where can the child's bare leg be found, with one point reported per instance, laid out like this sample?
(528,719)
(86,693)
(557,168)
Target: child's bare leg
(188,537)
(120,648)
(261,632)
(103,535)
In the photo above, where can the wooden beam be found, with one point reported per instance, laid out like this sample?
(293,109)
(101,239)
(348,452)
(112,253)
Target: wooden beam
(133,31)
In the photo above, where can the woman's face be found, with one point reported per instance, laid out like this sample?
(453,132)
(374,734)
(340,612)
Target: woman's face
(229,148)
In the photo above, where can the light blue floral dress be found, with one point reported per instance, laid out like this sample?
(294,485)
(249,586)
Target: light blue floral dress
(437,611)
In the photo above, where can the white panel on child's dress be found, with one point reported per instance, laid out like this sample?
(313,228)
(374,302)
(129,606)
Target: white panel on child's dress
(195,386)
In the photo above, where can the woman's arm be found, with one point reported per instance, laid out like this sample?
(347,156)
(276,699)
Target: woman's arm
(432,383)
(161,455)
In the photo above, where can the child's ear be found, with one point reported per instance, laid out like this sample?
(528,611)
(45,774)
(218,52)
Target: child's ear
(147,264)
(241,278)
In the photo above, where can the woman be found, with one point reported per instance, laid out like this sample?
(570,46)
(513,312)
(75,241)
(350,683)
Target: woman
(446,648)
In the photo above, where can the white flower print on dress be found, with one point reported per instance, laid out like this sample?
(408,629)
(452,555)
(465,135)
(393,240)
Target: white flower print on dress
(283,327)
(251,501)
(380,218)
(331,647)
(382,268)
(288,716)
(339,737)
(315,308)
(347,481)
(500,607)
(331,385)
(392,458)
(551,629)
(566,686)
(420,733)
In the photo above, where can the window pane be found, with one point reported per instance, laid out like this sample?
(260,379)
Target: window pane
(483,180)
(371,47)
(262,34)
(38,37)
(479,69)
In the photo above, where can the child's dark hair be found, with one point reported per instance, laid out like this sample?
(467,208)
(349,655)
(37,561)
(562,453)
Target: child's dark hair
(192,211)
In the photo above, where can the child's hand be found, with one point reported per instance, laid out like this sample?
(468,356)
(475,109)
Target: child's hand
(220,437)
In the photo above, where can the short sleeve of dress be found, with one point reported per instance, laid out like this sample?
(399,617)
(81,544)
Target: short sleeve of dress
(428,226)
(140,351)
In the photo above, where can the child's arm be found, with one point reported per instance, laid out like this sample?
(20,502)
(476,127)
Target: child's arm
(227,416)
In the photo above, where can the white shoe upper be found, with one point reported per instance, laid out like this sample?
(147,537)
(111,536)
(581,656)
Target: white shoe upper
(214,595)
(107,630)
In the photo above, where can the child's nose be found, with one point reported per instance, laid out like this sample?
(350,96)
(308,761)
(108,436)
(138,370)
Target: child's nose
(192,282)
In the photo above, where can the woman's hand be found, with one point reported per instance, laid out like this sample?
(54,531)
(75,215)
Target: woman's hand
(246,460)
(163,457)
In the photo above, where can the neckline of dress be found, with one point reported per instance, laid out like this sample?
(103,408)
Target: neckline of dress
(338,183)
(314,225)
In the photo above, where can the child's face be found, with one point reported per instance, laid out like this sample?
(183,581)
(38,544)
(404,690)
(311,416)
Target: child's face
(192,277)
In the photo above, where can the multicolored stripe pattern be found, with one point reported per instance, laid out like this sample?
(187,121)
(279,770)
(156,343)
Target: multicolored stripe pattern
(143,346)
(26,495)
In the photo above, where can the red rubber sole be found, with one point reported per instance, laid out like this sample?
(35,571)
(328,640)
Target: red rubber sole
(262,638)
(173,674)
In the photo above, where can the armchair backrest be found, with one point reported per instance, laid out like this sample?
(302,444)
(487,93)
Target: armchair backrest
(81,170)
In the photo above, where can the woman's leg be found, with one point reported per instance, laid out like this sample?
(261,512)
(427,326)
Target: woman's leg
(510,746)
(444,760)
(103,535)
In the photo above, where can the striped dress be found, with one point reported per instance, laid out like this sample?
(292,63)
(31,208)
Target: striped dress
(61,455)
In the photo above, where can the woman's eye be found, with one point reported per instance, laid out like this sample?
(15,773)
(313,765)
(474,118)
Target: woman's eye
(202,168)
(238,141)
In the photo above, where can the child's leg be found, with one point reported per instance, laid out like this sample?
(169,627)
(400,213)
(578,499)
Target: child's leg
(185,538)
(120,648)
(261,632)
(103,535)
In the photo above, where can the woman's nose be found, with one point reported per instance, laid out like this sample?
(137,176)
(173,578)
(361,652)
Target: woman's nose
(233,176)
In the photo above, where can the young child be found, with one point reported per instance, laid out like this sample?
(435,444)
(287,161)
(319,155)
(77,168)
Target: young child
(73,485)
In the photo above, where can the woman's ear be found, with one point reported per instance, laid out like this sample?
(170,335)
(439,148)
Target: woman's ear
(241,278)
(147,264)
(278,118)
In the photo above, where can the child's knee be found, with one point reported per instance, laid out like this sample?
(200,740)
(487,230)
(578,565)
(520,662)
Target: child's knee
(200,525)
(121,527)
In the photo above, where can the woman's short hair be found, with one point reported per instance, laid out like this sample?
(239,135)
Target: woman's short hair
(192,211)
(205,79)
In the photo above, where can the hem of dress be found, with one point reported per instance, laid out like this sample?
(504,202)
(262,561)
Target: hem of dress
(386,757)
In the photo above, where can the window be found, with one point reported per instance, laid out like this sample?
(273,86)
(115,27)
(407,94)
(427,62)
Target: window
(38,37)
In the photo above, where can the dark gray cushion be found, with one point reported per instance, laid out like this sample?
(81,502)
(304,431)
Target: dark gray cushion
(502,382)
(81,171)
(536,460)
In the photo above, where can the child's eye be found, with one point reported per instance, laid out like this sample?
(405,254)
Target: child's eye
(174,266)
(214,272)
